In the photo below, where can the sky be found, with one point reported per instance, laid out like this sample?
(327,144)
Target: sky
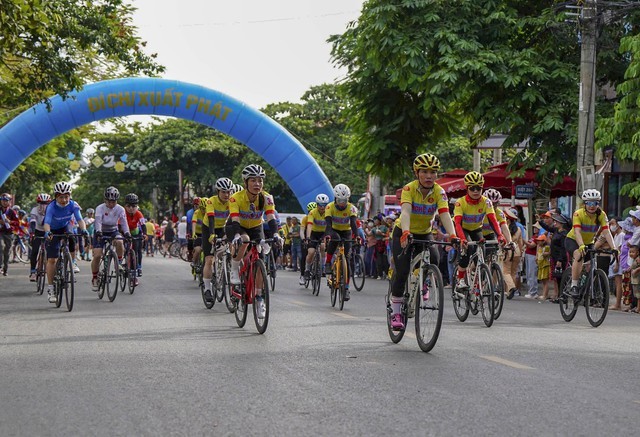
(257,51)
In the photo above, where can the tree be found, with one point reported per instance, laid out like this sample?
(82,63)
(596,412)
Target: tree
(420,71)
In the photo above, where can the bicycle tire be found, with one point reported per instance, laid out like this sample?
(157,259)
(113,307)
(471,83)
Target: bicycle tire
(123,276)
(184,252)
(358,266)
(231,307)
(240,312)
(428,312)
(333,289)
(271,272)
(342,283)
(394,335)
(131,265)
(487,298)
(41,270)
(498,289)
(58,281)
(316,274)
(460,303)
(23,252)
(102,277)
(597,299)
(219,278)
(113,276)
(261,324)
(568,307)
(68,278)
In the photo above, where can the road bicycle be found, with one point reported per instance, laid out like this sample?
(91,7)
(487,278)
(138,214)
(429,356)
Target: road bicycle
(593,286)
(220,278)
(493,254)
(339,275)
(179,249)
(356,267)
(63,278)
(423,298)
(21,249)
(129,270)
(41,267)
(245,294)
(315,271)
(108,270)
(478,296)
(270,265)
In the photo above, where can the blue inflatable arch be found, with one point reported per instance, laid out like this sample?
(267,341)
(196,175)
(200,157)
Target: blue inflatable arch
(152,96)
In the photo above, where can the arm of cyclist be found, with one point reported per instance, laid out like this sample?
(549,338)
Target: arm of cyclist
(494,224)
(329,232)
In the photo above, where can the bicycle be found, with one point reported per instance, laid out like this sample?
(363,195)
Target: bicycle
(423,297)
(315,271)
(21,249)
(63,279)
(593,286)
(245,293)
(41,267)
(270,265)
(108,270)
(220,274)
(338,283)
(478,296)
(180,250)
(497,277)
(129,274)
(356,267)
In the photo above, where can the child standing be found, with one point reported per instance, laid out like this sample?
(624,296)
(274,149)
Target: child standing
(543,259)
(634,267)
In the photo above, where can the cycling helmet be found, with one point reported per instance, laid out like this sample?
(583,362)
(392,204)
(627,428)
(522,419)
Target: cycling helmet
(311,206)
(16,208)
(111,193)
(322,199)
(90,211)
(224,184)
(252,171)
(22,212)
(237,187)
(341,192)
(493,195)
(591,194)
(196,202)
(131,199)
(43,198)
(473,178)
(5,196)
(62,188)
(426,161)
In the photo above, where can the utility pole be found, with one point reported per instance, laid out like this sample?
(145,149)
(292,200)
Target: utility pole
(587,96)
(181,196)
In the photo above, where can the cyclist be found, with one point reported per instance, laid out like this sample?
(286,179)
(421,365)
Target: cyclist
(109,216)
(421,199)
(190,213)
(245,211)
(314,232)
(217,212)
(36,223)
(136,223)
(340,218)
(305,246)
(586,223)
(9,220)
(196,225)
(468,215)
(487,231)
(58,220)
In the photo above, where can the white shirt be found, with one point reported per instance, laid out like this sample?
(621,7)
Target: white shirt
(182,230)
(108,219)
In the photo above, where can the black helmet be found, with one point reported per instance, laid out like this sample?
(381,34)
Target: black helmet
(131,199)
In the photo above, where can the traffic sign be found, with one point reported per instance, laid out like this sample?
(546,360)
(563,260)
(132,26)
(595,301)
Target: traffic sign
(525,191)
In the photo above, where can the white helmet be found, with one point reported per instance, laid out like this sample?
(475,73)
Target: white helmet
(236,188)
(62,188)
(322,199)
(111,193)
(341,192)
(224,184)
(493,195)
(591,194)
(252,171)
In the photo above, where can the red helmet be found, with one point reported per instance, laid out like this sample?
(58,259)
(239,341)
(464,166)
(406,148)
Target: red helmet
(196,201)
(43,198)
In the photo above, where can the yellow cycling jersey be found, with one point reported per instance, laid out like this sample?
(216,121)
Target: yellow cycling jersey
(218,210)
(588,225)
(486,226)
(303,225)
(197,221)
(423,208)
(249,213)
(317,221)
(340,220)
(472,214)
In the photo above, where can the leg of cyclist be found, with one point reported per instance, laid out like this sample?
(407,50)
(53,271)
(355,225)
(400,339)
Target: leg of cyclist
(463,263)
(402,263)
(53,248)
(576,268)
(35,249)
(207,269)
(346,235)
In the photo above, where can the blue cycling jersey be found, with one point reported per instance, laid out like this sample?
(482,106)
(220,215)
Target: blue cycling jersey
(189,217)
(60,218)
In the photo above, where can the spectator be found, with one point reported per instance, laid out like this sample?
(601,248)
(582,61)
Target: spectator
(511,262)
(530,263)
(634,271)
(296,242)
(615,270)
(169,236)
(369,255)
(286,248)
(543,254)
(380,233)
(182,231)
(625,296)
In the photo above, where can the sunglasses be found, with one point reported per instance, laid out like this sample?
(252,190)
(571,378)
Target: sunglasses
(475,188)
(592,203)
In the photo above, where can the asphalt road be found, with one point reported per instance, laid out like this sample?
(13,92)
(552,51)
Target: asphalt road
(158,363)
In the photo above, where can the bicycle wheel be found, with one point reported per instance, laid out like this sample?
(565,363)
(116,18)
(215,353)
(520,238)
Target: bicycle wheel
(241,307)
(58,281)
(497,278)
(131,265)
(41,271)
(218,278)
(316,276)
(487,298)
(568,307)
(184,252)
(342,283)
(394,335)
(597,299)
(122,273)
(208,304)
(113,275)
(68,281)
(429,308)
(271,264)
(460,305)
(23,251)
(357,272)
(333,289)
(102,277)
(227,286)
(261,323)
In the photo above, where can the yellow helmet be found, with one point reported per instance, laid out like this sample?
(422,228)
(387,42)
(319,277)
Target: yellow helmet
(426,161)
(473,178)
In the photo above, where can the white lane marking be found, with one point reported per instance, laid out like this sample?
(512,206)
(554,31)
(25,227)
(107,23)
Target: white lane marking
(344,316)
(506,362)
(297,302)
